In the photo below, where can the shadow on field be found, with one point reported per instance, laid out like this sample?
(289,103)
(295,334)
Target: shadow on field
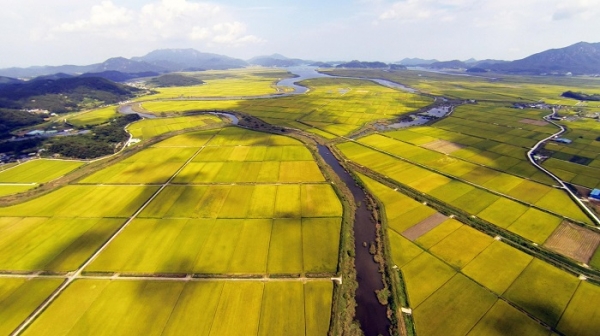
(179,265)
(58,252)
(516,323)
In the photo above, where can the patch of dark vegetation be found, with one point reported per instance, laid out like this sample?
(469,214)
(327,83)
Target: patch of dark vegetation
(562,156)
(117,76)
(102,140)
(20,147)
(581,96)
(171,80)
(11,120)
(64,94)
(582,160)
(476,70)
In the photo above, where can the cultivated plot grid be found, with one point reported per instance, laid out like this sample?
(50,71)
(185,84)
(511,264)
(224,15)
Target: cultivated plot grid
(286,238)
(478,284)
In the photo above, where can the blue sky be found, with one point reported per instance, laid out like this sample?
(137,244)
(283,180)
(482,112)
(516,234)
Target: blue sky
(89,31)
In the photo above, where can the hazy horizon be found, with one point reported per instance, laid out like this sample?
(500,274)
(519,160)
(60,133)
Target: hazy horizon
(91,31)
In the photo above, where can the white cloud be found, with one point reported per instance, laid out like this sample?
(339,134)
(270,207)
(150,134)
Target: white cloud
(163,20)
(409,10)
(580,10)
(233,33)
(104,15)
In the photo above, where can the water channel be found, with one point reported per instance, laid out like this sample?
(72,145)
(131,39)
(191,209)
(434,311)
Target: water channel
(369,312)
(307,72)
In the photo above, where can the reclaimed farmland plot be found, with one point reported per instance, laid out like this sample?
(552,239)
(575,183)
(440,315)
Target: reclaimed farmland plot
(574,242)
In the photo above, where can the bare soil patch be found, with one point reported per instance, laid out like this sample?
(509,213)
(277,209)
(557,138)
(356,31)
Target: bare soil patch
(574,242)
(534,122)
(443,146)
(424,226)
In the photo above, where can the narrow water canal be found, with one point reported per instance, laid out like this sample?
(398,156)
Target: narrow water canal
(369,312)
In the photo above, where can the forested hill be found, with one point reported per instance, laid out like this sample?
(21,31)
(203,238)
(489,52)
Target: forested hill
(64,94)
(578,59)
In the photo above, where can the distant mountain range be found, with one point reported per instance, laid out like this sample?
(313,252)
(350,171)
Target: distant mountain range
(370,65)
(172,60)
(580,58)
(158,61)
(277,60)
(416,61)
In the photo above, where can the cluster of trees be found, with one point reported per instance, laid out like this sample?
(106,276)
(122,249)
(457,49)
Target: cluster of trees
(20,147)
(102,140)
(14,119)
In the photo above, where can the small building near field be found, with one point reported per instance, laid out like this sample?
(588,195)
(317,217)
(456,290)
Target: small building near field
(595,194)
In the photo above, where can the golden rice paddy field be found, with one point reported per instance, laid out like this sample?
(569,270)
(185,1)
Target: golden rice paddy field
(223,224)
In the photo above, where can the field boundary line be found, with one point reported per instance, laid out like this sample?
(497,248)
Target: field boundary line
(77,274)
(568,302)
(188,278)
(498,298)
(214,315)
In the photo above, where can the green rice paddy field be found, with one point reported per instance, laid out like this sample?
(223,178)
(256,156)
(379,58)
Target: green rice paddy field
(336,106)
(38,171)
(240,203)
(26,176)
(463,282)
(230,83)
(150,128)
(94,117)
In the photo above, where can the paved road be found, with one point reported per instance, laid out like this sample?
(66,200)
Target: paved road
(530,153)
